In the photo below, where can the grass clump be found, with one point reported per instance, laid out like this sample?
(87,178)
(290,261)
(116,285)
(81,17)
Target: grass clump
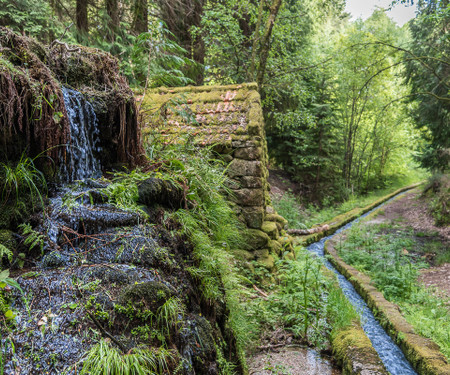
(104,359)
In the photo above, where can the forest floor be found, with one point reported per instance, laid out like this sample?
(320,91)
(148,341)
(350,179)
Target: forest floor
(411,212)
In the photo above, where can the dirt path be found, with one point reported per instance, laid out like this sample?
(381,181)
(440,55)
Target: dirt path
(291,361)
(410,211)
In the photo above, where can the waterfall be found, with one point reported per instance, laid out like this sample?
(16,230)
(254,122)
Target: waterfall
(79,162)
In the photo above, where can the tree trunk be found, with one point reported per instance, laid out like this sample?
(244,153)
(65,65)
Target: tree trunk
(112,9)
(81,16)
(140,17)
(265,41)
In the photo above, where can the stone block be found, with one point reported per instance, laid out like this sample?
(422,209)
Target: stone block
(240,167)
(256,239)
(251,182)
(254,216)
(270,228)
(248,197)
(248,153)
(232,184)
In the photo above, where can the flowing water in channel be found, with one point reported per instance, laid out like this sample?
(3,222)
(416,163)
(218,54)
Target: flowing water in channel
(391,355)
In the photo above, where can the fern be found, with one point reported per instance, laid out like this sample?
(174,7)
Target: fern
(33,238)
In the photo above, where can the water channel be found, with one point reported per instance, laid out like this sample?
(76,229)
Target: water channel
(390,354)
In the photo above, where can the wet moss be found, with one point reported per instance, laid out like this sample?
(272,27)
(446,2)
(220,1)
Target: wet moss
(355,353)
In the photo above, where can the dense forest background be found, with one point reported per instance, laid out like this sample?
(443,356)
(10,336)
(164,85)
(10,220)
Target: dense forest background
(350,106)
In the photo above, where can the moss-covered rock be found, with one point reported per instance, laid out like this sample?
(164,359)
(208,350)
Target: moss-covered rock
(355,353)
(270,228)
(255,239)
(275,247)
(243,255)
(254,216)
(267,262)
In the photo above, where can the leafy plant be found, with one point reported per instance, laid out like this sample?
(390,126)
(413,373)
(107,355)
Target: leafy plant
(5,281)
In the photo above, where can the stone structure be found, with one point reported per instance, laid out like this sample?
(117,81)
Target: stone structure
(229,118)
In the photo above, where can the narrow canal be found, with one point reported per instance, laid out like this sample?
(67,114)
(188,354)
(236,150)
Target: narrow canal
(391,355)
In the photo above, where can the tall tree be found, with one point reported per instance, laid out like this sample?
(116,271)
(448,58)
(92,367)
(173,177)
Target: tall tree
(140,17)
(112,10)
(81,16)
(428,71)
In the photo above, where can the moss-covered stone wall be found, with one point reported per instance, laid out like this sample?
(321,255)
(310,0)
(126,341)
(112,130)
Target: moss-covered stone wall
(230,119)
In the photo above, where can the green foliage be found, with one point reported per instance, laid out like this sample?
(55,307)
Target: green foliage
(213,229)
(440,201)
(289,206)
(33,238)
(429,316)
(304,302)
(32,17)
(103,359)
(23,177)
(123,191)
(384,258)
(165,58)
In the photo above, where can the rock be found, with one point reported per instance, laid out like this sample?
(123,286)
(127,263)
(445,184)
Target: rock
(54,260)
(155,191)
(248,153)
(268,262)
(261,254)
(243,254)
(256,239)
(248,197)
(254,216)
(270,228)
(275,247)
(232,184)
(240,167)
(251,182)
(277,218)
(199,346)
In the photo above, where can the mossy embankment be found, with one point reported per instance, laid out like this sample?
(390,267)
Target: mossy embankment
(339,221)
(423,354)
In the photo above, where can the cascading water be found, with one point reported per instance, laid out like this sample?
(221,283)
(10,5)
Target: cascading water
(80,161)
(390,354)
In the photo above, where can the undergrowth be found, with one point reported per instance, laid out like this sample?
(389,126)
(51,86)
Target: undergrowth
(305,301)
